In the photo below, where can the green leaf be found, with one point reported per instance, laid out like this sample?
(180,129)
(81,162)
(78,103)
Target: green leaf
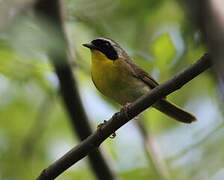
(163,50)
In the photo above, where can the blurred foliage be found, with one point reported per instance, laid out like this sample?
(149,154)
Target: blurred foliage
(35,129)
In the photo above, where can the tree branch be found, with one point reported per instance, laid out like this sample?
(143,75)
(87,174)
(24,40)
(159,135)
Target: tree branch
(52,11)
(208,16)
(119,119)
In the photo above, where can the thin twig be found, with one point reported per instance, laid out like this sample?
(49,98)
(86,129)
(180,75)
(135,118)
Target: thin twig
(120,118)
(152,152)
(197,144)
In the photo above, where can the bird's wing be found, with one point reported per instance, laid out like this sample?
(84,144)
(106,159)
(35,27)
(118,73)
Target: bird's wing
(135,70)
(149,81)
(141,74)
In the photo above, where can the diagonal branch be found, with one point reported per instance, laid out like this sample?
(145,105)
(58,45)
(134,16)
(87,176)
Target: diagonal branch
(119,119)
(208,16)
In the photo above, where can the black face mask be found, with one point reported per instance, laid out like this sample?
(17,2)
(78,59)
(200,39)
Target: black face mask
(106,48)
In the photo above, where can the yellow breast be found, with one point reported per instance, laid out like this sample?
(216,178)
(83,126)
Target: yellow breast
(113,79)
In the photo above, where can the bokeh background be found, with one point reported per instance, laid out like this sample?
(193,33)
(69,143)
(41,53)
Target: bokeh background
(34,126)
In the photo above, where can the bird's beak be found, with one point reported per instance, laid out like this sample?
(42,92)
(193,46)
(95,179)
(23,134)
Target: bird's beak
(89,45)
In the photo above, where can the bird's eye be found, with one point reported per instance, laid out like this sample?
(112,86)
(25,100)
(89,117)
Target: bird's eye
(107,44)
(105,47)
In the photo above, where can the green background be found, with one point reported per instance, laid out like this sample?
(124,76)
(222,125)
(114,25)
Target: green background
(157,34)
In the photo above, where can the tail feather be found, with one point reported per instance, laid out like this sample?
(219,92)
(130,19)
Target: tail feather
(174,111)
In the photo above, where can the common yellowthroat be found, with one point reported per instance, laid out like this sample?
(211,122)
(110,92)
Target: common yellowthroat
(116,75)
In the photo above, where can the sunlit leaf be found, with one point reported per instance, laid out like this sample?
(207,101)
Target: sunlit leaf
(163,50)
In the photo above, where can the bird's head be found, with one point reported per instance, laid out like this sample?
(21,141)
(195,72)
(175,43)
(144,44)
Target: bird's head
(106,47)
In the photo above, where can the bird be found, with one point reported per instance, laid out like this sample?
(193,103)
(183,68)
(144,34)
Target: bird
(116,76)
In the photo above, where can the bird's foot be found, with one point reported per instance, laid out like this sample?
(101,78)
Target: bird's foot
(125,108)
(100,126)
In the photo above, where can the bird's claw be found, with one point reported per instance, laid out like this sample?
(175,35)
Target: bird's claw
(125,108)
(113,135)
(99,127)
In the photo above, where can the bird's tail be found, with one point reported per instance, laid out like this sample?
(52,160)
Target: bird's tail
(174,111)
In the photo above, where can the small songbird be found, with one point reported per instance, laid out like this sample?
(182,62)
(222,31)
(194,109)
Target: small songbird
(116,75)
